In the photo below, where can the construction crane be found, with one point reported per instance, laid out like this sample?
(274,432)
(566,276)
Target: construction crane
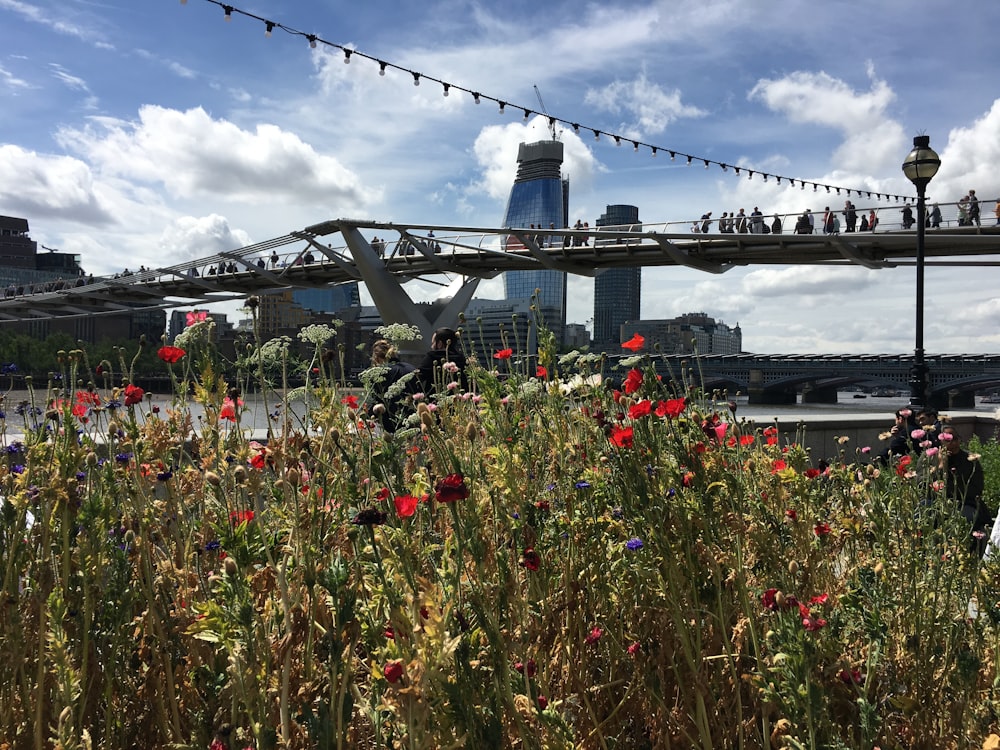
(541,104)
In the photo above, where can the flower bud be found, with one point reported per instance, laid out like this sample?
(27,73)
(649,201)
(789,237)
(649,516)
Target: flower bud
(231,567)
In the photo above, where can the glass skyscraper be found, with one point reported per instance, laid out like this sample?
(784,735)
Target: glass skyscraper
(539,196)
(616,290)
(329,299)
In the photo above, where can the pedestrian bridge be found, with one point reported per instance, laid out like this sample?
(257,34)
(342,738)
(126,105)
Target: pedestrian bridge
(344,250)
(779,378)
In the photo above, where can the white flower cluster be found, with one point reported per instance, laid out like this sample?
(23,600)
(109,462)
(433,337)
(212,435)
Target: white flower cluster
(317,335)
(275,350)
(398,332)
(199,334)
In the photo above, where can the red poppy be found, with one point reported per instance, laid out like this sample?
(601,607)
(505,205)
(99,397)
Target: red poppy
(641,409)
(901,467)
(451,488)
(621,437)
(812,624)
(238,517)
(228,410)
(635,343)
(541,372)
(778,465)
(820,599)
(504,354)
(87,398)
(633,381)
(594,636)
(170,354)
(543,702)
(350,401)
(812,473)
(531,559)
(634,648)
(259,459)
(393,670)
(382,494)
(671,409)
(791,514)
(821,529)
(406,505)
(769,599)
(133,395)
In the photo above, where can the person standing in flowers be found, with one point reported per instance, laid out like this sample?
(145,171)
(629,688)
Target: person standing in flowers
(444,364)
(391,396)
(900,436)
(964,484)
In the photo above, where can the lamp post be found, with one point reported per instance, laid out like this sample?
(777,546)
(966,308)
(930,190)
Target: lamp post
(921,165)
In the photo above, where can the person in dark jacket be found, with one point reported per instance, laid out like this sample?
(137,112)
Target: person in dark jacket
(391,397)
(964,485)
(444,363)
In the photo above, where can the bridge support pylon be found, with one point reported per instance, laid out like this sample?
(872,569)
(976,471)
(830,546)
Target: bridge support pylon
(771,396)
(392,301)
(961,399)
(812,394)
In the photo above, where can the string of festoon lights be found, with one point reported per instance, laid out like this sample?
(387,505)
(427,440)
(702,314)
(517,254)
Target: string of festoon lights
(478,97)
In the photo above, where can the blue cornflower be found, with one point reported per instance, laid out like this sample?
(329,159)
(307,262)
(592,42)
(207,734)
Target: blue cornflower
(551,487)
(616,513)
(582,484)
(17,469)
(15,447)
(515,515)
(213,545)
(123,458)
(8,369)
(635,543)
(81,475)
(163,476)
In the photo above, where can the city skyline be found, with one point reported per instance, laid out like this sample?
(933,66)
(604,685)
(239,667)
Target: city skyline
(158,132)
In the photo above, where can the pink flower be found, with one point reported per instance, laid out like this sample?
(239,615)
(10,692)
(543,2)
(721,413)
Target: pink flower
(594,636)
(932,451)
(918,434)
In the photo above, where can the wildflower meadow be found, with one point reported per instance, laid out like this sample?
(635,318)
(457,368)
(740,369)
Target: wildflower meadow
(565,555)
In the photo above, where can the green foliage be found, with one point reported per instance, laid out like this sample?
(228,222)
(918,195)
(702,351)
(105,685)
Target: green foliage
(989,452)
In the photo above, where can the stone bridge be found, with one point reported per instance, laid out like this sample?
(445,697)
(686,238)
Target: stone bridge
(779,378)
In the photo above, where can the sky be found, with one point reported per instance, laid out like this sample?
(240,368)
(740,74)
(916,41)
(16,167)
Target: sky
(152,132)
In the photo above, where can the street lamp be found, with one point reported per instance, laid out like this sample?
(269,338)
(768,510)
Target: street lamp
(921,165)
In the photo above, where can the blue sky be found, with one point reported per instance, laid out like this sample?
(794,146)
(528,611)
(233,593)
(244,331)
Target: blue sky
(151,132)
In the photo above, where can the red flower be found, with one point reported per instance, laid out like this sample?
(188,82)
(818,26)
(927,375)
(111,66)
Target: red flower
(451,488)
(778,465)
(529,668)
(812,473)
(671,409)
(594,636)
(228,410)
(504,354)
(259,459)
(239,517)
(541,372)
(851,677)
(635,343)
(621,437)
(812,624)
(821,529)
(746,440)
(350,400)
(821,599)
(531,559)
(170,354)
(633,381)
(393,670)
(383,494)
(133,395)
(901,467)
(791,514)
(634,648)
(406,505)
(641,409)
(543,702)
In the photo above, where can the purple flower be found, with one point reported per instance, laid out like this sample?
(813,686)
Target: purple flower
(582,484)
(634,544)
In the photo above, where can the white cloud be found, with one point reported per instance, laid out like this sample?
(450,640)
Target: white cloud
(59,187)
(872,139)
(71,81)
(649,108)
(192,154)
(12,82)
(810,281)
(192,237)
(55,21)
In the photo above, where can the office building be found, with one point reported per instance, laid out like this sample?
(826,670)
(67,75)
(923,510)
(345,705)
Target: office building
(539,197)
(689,333)
(329,299)
(616,290)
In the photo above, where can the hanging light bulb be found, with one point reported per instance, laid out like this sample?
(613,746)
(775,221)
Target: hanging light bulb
(725,167)
(526,113)
(312,40)
(381,68)
(446,87)
(416,79)
(597,135)
(502,105)
(576,128)
(654,151)
(778,179)
(737,171)
(635,146)
(706,163)
(673,156)
(689,161)
(475,97)
(765,177)
(750,175)
(228,9)
(618,141)
(269,29)
(803,186)
(347,56)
